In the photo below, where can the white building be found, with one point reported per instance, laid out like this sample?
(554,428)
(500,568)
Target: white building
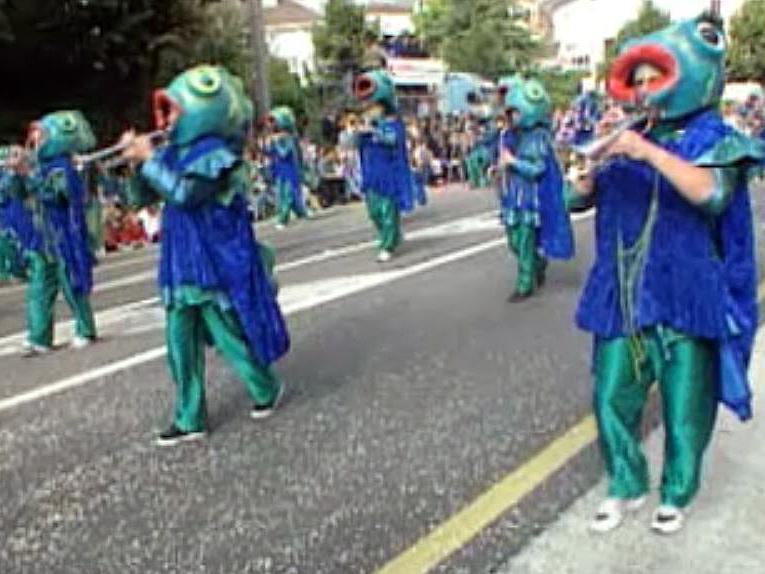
(582,28)
(289,26)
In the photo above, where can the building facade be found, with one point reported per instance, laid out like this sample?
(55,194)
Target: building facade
(581,29)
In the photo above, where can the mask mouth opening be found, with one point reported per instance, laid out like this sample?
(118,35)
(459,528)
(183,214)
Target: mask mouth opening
(166,110)
(641,73)
(364,87)
(36,136)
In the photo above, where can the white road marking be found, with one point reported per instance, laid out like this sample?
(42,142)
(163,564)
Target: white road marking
(302,298)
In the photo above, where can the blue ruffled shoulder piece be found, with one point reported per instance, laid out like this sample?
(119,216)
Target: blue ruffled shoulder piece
(213,246)
(557,235)
(69,225)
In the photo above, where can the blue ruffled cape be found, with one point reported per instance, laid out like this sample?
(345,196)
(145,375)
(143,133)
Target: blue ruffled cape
(66,227)
(212,246)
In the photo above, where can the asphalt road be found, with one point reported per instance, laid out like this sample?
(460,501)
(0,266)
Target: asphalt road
(412,389)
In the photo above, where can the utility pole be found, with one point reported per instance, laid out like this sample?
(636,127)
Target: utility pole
(259,87)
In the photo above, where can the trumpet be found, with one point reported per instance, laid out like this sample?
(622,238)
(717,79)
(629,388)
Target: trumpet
(100,156)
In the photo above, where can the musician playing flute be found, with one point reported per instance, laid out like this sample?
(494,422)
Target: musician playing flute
(386,175)
(533,207)
(672,293)
(56,253)
(214,283)
(286,165)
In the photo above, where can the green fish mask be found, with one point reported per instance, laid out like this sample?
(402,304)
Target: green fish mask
(203,101)
(61,133)
(673,72)
(376,88)
(530,102)
(283,119)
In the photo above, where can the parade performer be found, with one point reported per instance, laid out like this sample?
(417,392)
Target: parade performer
(672,294)
(55,247)
(587,114)
(14,218)
(533,206)
(283,150)
(215,286)
(385,173)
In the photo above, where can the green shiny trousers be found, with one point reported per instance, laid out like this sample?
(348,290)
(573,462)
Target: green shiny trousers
(46,278)
(625,369)
(476,164)
(286,203)
(188,329)
(384,213)
(522,241)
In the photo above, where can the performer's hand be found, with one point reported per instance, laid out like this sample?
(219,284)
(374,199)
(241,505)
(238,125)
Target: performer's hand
(632,145)
(140,148)
(508,158)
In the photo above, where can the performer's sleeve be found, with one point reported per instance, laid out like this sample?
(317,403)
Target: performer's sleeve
(730,160)
(176,188)
(533,164)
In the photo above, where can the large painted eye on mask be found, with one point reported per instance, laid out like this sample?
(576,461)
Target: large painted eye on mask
(534,92)
(711,35)
(205,81)
(67,123)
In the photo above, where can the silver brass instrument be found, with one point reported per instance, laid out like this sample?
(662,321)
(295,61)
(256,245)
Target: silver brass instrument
(108,153)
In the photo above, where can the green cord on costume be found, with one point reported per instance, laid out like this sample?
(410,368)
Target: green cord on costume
(631,264)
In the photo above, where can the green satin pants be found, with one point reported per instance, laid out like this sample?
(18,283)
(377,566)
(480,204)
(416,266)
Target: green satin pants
(625,369)
(46,278)
(384,213)
(188,329)
(287,203)
(522,241)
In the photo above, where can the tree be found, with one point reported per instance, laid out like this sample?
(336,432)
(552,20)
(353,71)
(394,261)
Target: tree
(562,85)
(340,40)
(484,36)
(746,57)
(649,19)
(104,56)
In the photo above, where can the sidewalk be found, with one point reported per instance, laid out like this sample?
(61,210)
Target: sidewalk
(725,530)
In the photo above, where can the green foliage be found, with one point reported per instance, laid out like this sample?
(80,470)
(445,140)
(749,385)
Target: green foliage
(649,19)
(562,85)
(339,41)
(106,56)
(482,37)
(286,89)
(746,56)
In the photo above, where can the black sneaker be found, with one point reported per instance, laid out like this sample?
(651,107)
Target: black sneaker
(265,411)
(518,297)
(174,435)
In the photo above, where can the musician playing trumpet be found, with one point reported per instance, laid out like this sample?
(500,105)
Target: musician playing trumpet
(672,293)
(54,238)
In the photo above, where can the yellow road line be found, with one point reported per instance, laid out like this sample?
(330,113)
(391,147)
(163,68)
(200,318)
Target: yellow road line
(461,528)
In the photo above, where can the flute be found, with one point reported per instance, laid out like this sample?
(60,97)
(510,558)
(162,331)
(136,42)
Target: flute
(594,148)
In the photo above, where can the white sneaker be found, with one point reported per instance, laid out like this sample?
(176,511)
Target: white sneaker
(80,342)
(611,513)
(31,350)
(279,226)
(667,520)
(384,256)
